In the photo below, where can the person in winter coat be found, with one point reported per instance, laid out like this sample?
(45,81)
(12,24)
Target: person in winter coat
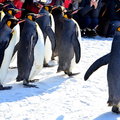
(88,16)
(113,8)
(29,6)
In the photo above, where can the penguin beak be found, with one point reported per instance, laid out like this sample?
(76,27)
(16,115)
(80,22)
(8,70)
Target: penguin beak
(74,12)
(5,5)
(39,15)
(20,21)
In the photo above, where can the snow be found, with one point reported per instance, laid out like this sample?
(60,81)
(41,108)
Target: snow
(60,97)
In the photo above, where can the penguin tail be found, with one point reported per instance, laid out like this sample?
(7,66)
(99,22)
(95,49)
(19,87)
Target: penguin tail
(97,64)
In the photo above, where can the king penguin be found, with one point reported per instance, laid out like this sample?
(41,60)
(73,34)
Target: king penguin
(113,76)
(30,55)
(47,25)
(68,39)
(2,14)
(10,13)
(7,44)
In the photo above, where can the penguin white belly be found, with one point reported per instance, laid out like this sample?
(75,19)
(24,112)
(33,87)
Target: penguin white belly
(72,65)
(2,14)
(7,58)
(52,22)
(79,31)
(39,52)
(48,50)
(14,58)
(48,46)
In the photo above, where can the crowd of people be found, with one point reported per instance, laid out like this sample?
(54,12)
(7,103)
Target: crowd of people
(95,17)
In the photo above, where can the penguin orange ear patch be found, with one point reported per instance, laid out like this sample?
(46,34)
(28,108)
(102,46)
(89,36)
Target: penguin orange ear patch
(9,23)
(65,16)
(118,29)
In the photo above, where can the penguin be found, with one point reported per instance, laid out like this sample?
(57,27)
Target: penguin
(2,14)
(7,43)
(10,13)
(68,39)
(47,26)
(113,76)
(30,55)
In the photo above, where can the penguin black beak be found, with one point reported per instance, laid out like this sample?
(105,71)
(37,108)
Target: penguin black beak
(40,15)
(5,5)
(20,21)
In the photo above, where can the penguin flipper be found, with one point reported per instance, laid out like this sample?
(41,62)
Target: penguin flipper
(51,35)
(15,49)
(76,46)
(97,64)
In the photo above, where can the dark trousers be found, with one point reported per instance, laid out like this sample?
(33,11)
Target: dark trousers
(88,22)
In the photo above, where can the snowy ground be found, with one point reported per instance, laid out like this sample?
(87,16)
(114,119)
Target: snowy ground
(60,97)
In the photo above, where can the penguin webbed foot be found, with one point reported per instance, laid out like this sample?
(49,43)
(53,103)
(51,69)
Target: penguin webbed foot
(47,65)
(70,74)
(115,109)
(5,88)
(26,84)
(12,67)
(35,80)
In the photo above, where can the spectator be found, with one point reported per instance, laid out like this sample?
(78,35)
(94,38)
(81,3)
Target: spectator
(113,7)
(109,18)
(87,16)
(18,4)
(57,2)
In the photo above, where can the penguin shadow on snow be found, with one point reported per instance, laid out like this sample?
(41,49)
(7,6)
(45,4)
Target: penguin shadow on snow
(47,85)
(61,117)
(108,116)
(96,38)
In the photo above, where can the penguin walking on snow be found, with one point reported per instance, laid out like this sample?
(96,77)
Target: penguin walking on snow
(30,55)
(47,26)
(113,72)
(7,44)
(68,39)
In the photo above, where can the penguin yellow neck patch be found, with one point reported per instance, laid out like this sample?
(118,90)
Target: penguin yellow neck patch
(118,29)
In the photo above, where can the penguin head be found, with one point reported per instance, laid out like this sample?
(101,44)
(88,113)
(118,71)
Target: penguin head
(33,16)
(1,6)
(48,8)
(118,29)
(12,22)
(38,5)
(58,10)
(67,15)
(12,11)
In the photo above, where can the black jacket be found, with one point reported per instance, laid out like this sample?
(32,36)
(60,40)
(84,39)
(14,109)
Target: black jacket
(113,9)
(86,9)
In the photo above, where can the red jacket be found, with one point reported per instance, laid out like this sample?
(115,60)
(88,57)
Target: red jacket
(1,1)
(18,4)
(67,3)
(33,8)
